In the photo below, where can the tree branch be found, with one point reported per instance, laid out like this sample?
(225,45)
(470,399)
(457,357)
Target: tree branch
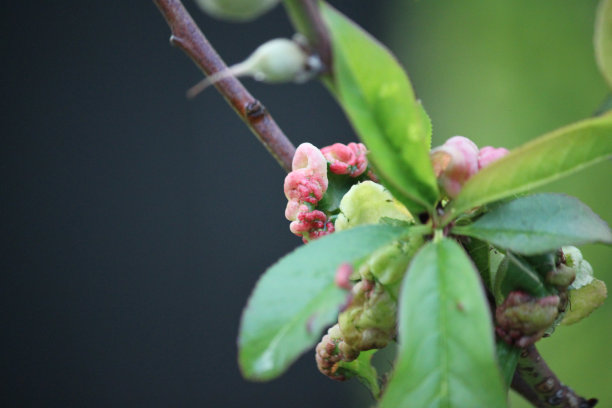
(187,36)
(307,20)
(536,382)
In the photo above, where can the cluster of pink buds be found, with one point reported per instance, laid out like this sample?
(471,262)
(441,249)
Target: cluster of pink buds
(459,159)
(346,159)
(304,188)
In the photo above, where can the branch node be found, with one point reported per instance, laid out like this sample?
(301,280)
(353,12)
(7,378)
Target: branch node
(255,110)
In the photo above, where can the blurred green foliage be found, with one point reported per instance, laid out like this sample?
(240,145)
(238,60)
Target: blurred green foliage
(502,72)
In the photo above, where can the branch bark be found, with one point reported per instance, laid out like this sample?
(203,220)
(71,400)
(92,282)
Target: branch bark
(187,36)
(536,382)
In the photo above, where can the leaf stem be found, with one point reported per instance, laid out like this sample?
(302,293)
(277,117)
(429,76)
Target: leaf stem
(536,382)
(307,20)
(187,36)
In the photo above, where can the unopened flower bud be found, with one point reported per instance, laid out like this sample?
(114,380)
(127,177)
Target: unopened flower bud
(454,163)
(585,300)
(522,319)
(236,10)
(343,276)
(388,265)
(488,155)
(330,351)
(307,182)
(346,159)
(367,203)
(369,321)
(583,270)
(276,61)
(562,276)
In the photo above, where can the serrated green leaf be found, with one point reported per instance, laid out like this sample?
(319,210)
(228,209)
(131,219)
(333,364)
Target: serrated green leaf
(540,161)
(378,99)
(539,223)
(362,369)
(446,355)
(603,39)
(296,299)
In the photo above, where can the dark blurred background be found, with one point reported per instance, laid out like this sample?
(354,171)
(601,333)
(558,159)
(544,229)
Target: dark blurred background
(135,222)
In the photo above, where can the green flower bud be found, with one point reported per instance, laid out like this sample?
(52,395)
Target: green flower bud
(523,319)
(236,10)
(582,268)
(367,203)
(585,300)
(369,321)
(388,264)
(562,276)
(276,61)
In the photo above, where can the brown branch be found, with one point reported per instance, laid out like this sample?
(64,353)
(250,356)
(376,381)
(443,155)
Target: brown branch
(536,382)
(187,36)
(307,19)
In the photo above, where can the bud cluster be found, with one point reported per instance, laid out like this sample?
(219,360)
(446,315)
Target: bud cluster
(308,182)
(369,320)
(523,318)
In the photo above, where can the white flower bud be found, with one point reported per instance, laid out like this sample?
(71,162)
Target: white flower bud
(276,61)
(236,10)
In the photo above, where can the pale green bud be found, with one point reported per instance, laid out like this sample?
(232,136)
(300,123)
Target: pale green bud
(236,10)
(366,203)
(369,321)
(582,268)
(585,300)
(276,61)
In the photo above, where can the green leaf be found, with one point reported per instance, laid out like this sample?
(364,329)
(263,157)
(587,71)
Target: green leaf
(362,368)
(338,186)
(446,355)
(540,161)
(296,299)
(539,223)
(603,39)
(507,357)
(479,252)
(378,99)
(513,274)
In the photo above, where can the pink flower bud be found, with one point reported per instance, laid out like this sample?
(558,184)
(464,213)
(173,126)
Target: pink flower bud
(346,159)
(488,155)
(454,163)
(305,186)
(311,225)
(308,156)
(343,274)
(307,183)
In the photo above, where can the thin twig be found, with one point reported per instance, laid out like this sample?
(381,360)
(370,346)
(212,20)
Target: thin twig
(536,382)
(187,36)
(307,19)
